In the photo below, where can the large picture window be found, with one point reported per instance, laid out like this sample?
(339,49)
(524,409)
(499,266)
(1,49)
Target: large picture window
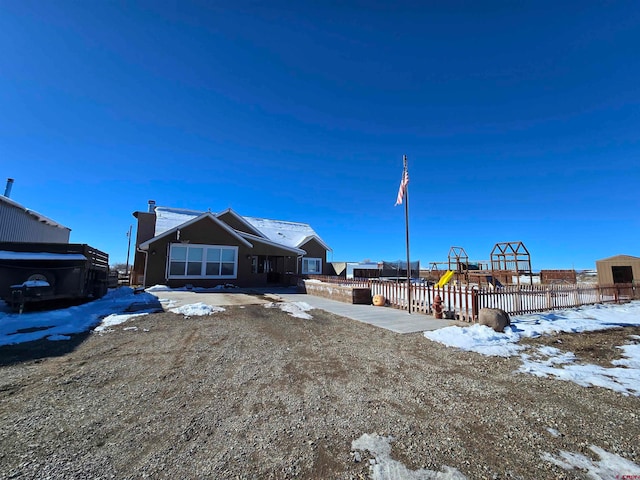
(203,261)
(312,266)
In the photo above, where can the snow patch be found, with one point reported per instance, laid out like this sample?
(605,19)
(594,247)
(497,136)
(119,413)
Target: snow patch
(610,466)
(548,361)
(197,309)
(60,324)
(58,338)
(295,309)
(385,468)
(554,432)
(116,319)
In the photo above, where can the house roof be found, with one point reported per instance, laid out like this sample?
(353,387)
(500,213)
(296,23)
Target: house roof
(169,218)
(624,258)
(317,239)
(37,216)
(291,234)
(211,216)
(280,232)
(256,238)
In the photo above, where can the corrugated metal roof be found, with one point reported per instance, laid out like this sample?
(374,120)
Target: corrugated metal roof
(21,224)
(38,216)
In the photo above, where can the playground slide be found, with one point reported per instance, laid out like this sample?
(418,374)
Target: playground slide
(445,278)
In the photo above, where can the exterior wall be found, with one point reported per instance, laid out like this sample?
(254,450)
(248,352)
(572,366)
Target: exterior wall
(18,225)
(558,276)
(145,230)
(605,274)
(314,250)
(341,293)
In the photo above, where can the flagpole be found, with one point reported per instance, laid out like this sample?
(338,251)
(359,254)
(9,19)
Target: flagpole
(406,221)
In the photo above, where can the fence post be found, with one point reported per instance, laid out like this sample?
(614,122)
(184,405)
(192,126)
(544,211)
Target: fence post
(474,305)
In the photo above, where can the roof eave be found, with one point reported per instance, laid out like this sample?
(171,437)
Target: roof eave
(297,251)
(145,245)
(317,239)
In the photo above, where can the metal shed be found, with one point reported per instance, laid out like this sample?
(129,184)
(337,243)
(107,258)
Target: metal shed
(618,269)
(20,224)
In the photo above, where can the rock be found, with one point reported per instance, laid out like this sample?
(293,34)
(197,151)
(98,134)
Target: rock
(494,318)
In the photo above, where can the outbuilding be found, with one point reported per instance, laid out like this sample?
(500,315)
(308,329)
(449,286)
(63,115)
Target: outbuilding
(21,224)
(618,269)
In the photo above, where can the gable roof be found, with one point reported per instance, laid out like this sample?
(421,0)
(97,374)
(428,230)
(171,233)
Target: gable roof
(280,232)
(242,221)
(211,216)
(291,234)
(317,239)
(620,258)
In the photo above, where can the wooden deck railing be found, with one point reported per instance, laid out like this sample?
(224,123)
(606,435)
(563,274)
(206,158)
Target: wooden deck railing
(464,302)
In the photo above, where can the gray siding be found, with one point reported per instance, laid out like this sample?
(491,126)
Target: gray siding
(17,224)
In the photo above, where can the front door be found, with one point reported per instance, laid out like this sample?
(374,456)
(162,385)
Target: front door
(274,267)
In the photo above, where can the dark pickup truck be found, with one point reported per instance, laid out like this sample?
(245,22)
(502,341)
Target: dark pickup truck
(36,272)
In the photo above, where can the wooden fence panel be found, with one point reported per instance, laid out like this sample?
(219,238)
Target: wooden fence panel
(467,301)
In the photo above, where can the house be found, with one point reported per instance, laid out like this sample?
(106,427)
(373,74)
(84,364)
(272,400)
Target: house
(179,247)
(21,224)
(618,269)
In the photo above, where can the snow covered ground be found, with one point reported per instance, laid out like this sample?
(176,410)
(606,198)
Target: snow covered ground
(117,307)
(623,376)
(384,467)
(58,324)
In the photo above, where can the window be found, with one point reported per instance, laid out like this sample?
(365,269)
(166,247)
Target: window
(312,265)
(203,261)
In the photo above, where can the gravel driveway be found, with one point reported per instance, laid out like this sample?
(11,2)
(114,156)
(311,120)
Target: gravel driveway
(252,392)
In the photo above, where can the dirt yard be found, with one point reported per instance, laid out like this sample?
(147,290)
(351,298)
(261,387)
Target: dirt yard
(255,393)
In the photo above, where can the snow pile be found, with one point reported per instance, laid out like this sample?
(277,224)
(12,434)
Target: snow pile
(197,310)
(295,309)
(609,465)
(480,339)
(560,365)
(115,319)
(59,324)
(544,361)
(385,468)
(165,288)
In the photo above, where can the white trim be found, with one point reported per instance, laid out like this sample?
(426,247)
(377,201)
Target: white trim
(203,261)
(271,243)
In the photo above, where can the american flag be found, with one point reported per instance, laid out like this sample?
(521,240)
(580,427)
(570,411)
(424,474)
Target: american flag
(403,186)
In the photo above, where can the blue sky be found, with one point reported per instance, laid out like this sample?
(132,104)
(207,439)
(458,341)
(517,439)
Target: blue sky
(520,120)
